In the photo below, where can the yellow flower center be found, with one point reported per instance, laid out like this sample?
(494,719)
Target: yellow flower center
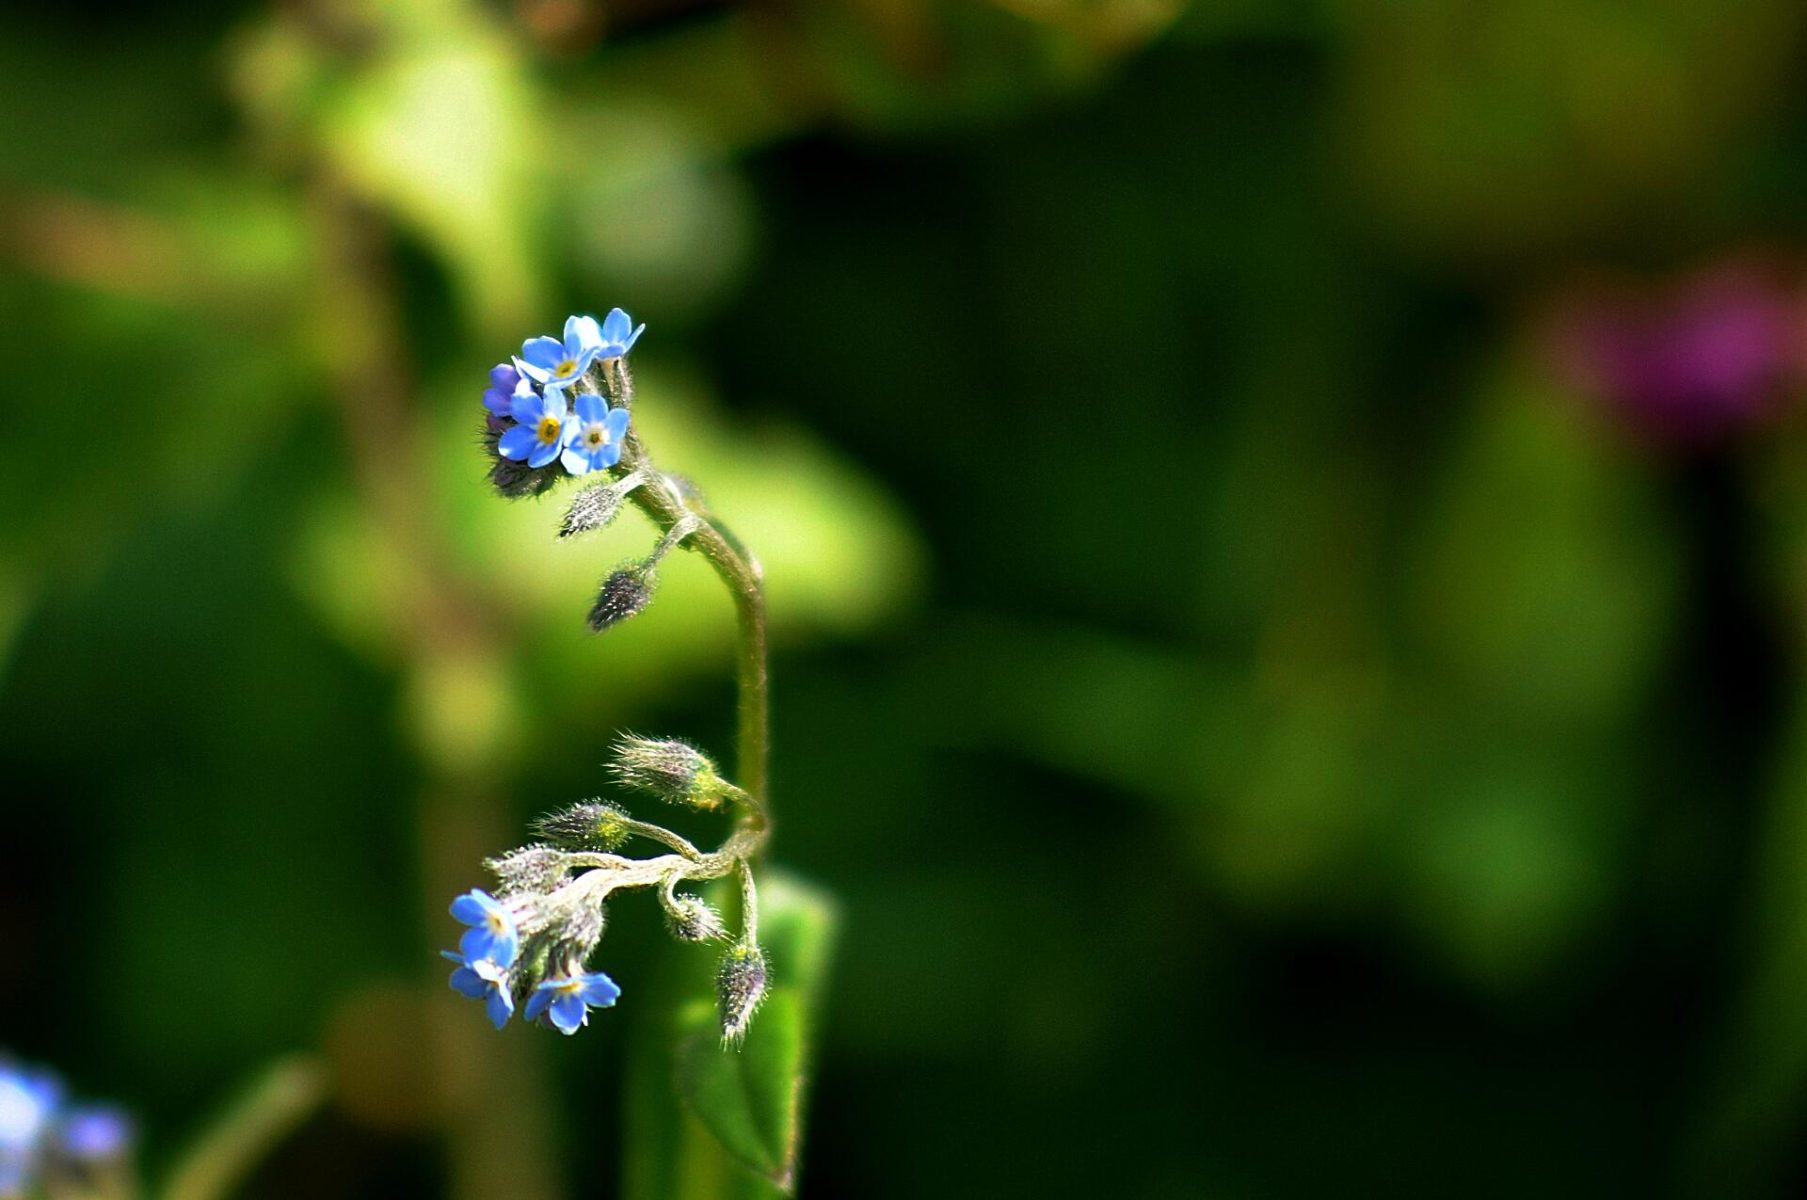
(549,429)
(567,366)
(597,436)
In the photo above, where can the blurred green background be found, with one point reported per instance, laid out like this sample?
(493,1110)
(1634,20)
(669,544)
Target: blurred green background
(1286,527)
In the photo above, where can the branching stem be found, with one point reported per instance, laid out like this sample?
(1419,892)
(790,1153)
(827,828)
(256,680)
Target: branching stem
(682,520)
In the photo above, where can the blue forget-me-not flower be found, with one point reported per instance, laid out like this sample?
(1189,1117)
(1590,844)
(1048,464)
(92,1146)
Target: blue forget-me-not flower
(542,428)
(27,1101)
(617,335)
(595,439)
(492,932)
(42,1141)
(554,362)
(566,1000)
(485,980)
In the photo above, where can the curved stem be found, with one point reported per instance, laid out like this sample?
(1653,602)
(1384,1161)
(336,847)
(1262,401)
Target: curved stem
(736,568)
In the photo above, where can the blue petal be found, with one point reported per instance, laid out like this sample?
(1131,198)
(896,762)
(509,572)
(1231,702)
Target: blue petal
(527,407)
(582,333)
(499,402)
(600,991)
(473,907)
(467,982)
(591,408)
(542,352)
(517,443)
(606,456)
(568,1012)
(615,326)
(477,943)
(545,452)
(633,337)
(576,461)
(616,424)
(503,377)
(506,945)
(536,1003)
(500,1007)
(583,356)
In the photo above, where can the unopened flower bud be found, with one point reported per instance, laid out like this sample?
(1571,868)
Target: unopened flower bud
(516,479)
(669,769)
(595,507)
(691,919)
(739,987)
(529,870)
(625,593)
(590,826)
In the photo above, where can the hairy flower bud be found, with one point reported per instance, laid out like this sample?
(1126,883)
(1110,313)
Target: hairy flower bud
(625,593)
(530,869)
(739,987)
(669,769)
(691,919)
(516,479)
(590,826)
(595,507)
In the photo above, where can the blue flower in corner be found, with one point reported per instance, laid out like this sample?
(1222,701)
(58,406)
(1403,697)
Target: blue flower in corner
(552,362)
(482,979)
(28,1102)
(492,934)
(567,1000)
(543,427)
(595,443)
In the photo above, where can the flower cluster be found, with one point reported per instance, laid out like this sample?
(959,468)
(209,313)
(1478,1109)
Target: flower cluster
(561,408)
(550,978)
(50,1146)
(546,413)
(527,945)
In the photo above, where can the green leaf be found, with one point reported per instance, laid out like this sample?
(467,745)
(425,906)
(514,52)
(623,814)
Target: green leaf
(748,1096)
(711,1121)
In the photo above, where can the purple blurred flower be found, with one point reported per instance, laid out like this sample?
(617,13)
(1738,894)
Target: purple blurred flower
(1690,362)
(98,1133)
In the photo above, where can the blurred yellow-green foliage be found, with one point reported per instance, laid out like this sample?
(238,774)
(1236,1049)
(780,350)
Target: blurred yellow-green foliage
(1286,527)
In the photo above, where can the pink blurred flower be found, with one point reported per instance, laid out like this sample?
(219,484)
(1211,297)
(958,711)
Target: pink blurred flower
(1690,361)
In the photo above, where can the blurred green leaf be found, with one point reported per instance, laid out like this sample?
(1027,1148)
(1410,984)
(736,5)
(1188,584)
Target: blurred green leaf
(709,1123)
(748,1096)
(443,128)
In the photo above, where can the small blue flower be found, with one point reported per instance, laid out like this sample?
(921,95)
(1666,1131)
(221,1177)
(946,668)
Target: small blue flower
(95,1134)
(616,336)
(492,932)
(505,383)
(567,1000)
(543,427)
(554,363)
(596,435)
(28,1104)
(482,979)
